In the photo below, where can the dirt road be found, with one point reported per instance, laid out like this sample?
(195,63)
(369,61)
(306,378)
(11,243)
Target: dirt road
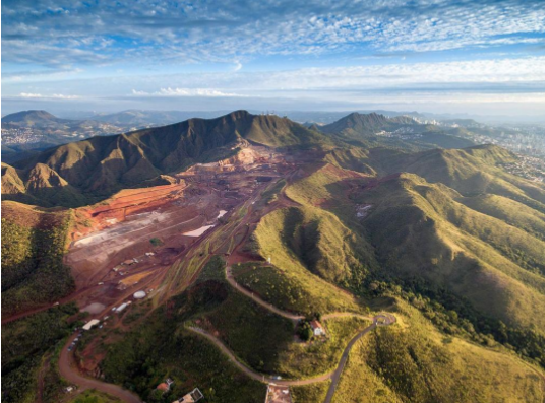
(334,375)
(70,373)
(263,303)
(250,372)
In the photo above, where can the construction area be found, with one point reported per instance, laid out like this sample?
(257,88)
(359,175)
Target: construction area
(129,241)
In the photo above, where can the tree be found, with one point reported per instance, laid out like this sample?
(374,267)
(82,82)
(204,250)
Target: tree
(155,242)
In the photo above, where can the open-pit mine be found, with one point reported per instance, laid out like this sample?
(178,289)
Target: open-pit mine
(130,241)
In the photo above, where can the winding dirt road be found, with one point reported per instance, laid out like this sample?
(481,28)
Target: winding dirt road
(334,376)
(231,280)
(70,373)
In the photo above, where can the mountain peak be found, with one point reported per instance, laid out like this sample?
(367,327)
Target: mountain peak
(31,115)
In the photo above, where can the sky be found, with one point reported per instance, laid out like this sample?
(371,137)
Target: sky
(484,57)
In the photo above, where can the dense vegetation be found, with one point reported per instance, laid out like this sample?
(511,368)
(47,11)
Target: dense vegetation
(455,315)
(24,343)
(147,355)
(33,272)
(309,393)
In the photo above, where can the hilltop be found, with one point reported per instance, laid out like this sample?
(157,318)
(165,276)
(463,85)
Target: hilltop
(32,118)
(375,129)
(99,166)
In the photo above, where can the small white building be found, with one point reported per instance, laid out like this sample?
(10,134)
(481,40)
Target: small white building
(317,328)
(139,294)
(121,307)
(194,396)
(90,324)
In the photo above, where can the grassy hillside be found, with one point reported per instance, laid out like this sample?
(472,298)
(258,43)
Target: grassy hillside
(412,362)
(298,294)
(33,245)
(310,247)
(266,341)
(94,396)
(424,236)
(418,230)
(509,211)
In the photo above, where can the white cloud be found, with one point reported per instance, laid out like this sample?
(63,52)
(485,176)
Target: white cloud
(238,66)
(184,92)
(208,32)
(38,95)
(30,95)
(529,71)
(63,96)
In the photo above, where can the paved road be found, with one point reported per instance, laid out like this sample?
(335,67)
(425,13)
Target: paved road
(70,373)
(379,320)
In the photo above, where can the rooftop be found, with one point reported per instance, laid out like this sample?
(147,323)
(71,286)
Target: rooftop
(278,394)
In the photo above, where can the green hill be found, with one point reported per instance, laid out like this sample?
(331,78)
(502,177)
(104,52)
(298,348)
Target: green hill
(418,229)
(375,129)
(33,244)
(476,247)
(413,362)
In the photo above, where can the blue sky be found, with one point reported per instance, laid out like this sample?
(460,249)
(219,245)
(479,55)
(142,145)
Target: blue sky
(481,57)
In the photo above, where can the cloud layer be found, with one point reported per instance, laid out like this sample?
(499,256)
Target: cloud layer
(85,33)
(343,50)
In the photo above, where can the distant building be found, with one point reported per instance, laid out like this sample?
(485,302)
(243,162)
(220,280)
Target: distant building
(194,396)
(139,294)
(278,394)
(165,386)
(90,324)
(317,328)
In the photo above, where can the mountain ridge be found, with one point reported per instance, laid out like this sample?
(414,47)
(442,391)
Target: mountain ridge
(105,164)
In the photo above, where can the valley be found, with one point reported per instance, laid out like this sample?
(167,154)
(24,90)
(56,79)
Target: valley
(278,202)
(227,264)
